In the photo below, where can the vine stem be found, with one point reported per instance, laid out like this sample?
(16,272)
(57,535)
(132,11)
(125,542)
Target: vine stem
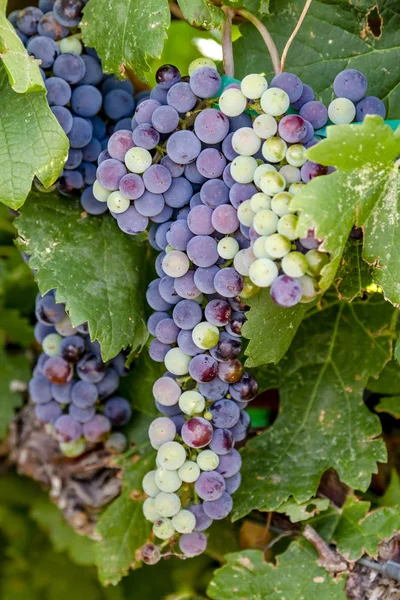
(266,36)
(227,50)
(294,33)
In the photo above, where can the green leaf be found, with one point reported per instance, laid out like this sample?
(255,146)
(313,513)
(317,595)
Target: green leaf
(23,70)
(223,538)
(257,7)
(62,536)
(304,510)
(297,576)
(31,143)
(130,45)
(202,13)
(323,421)
(270,329)
(359,531)
(391,405)
(97,271)
(334,36)
(354,274)
(16,327)
(397,350)
(15,372)
(363,191)
(392,492)
(122,526)
(388,381)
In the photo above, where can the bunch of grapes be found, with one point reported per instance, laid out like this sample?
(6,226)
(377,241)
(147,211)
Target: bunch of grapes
(73,390)
(88,105)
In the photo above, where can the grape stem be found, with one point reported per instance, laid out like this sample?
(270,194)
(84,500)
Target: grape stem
(266,36)
(294,33)
(227,50)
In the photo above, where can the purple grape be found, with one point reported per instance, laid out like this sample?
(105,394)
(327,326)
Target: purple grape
(113,83)
(119,144)
(110,172)
(163,216)
(309,134)
(63,116)
(185,286)
(307,95)
(370,105)
(70,67)
(154,319)
(351,84)
(316,113)
(41,330)
(203,368)
(96,428)
(292,129)
(67,430)
(131,186)
(157,93)
(58,91)
(154,298)
(124,123)
(157,179)
(72,348)
(145,110)
(311,169)
(175,169)
(104,155)
(92,150)
(62,393)
(48,312)
(108,385)
(131,222)
(187,314)
(220,508)
(118,104)
(93,73)
(179,235)
(161,235)
(245,389)
(44,49)
(290,83)
(210,486)
(193,544)
(195,200)
(118,411)
(146,136)
(179,421)
(167,76)
(149,205)
(211,163)
(224,219)
(167,290)
(202,521)
(227,147)
(150,554)
(82,415)
(204,279)
(192,173)
(181,98)
(167,331)
(202,251)
(49,412)
(68,12)
(225,414)
(233,483)
(27,20)
(227,348)
(179,192)
(197,432)
(240,192)
(218,312)
(158,350)
(91,368)
(186,343)
(205,82)
(213,390)
(230,464)
(199,220)
(211,126)
(165,119)
(183,147)
(84,394)
(40,390)
(228,282)
(286,291)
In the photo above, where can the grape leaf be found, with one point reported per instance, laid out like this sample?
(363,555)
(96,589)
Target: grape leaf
(122,526)
(15,373)
(364,190)
(392,492)
(323,421)
(388,381)
(31,143)
(390,405)
(354,274)
(359,531)
(304,510)
(334,36)
(257,7)
(126,33)
(97,271)
(297,576)
(202,13)
(270,329)
(15,327)
(23,70)
(397,350)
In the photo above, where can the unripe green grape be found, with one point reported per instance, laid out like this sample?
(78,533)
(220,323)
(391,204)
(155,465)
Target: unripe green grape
(167,505)
(259,248)
(163,529)
(168,248)
(149,484)
(296,155)
(295,188)
(246,142)
(259,172)
(70,44)
(73,449)
(175,263)
(228,247)
(207,460)
(277,245)
(274,149)
(291,174)
(341,111)
(100,193)
(309,288)
(189,472)
(243,168)
(205,335)
(117,203)
(316,261)
(149,510)
(177,362)
(184,521)
(232,102)
(245,213)
(192,402)
(171,456)
(265,126)
(275,102)
(260,201)
(238,263)
(201,62)
(51,344)
(272,183)
(294,264)
(249,289)
(265,222)
(287,226)
(280,204)
(263,272)
(253,86)
(138,160)
(167,480)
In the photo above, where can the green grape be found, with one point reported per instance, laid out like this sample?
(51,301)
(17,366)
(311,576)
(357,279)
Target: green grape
(274,149)
(100,193)
(243,168)
(316,261)
(245,213)
(260,201)
(64,327)
(246,142)
(149,484)
(163,529)
(263,272)
(272,183)
(184,521)
(205,335)
(167,505)
(175,263)
(309,288)
(275,102)
(259,247)
(189,472)
(167,480)
(171,456)
(201,62)
(149,510)
(117,203)
(280,204)
(249,289)
(227,248)
(177,362)
(259,172)
(265,222)
(277,245)
(253,86)
(70,44)
(295,188)
(294,264)
(341,111)
(51,344)
(238,263)
(232,102)
(296,155)
(138,160)
(287,226)
(265,126)
(192,402)
(73,449)
(248,257)
(291,174)
(207,460)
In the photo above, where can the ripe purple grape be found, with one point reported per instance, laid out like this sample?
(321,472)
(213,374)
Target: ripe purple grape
(197,432)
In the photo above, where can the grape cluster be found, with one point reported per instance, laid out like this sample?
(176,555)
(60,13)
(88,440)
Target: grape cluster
(89,105)
(72,388)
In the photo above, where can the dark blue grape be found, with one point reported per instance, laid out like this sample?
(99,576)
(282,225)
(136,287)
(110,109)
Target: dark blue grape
(118,410)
